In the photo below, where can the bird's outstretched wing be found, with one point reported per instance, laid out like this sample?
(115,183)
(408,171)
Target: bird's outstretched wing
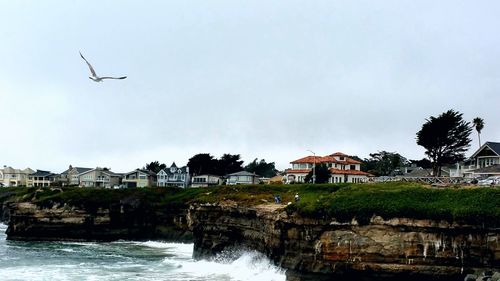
(90,66)
(123,77)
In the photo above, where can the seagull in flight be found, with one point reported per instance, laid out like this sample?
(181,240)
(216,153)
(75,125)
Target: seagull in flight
(94,76)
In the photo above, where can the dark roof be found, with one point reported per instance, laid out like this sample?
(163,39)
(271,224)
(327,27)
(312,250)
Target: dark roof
(425,173)
(182,169)
(243,173)
(494,146)
(204,175)
(41,173)
(79,170)
(148,172)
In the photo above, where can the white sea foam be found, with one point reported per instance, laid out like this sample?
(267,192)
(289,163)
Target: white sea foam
(125,260)
(69,250)
(166,245)
(249,266)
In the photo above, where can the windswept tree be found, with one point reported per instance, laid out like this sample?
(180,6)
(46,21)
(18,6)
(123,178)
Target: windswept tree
(228,164)
(261,168)
(321,172)
(383,163)
(202,163)
(155,166)
(423,163)
(446,138)
(479,125)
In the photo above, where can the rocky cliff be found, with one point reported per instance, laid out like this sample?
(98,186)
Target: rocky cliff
(319,249)
(131,220)
(308,248)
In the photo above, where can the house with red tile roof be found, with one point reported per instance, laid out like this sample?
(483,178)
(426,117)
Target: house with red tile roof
(342,167)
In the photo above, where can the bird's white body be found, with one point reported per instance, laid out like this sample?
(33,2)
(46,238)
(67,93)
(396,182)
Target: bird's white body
(94,76)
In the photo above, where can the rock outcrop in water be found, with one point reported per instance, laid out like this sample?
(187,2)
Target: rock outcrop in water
(308,248)
(130,220)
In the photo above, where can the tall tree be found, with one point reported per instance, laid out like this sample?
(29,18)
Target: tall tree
(155,166)
(479,125)
(423,163)
(229,163)
(383,163)
(322,173)
(202,163)
(262,168)
(446,138)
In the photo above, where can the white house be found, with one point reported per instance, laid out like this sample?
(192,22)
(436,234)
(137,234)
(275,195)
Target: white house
(174,176)
(205,180)
(485,161)
(342,168)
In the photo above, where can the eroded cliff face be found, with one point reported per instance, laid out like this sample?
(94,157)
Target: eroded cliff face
(319,249)
(308,248)
(127,220)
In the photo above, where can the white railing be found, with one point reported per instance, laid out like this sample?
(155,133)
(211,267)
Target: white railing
(427,180)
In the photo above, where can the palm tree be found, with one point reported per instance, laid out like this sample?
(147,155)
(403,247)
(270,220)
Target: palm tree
(479,125)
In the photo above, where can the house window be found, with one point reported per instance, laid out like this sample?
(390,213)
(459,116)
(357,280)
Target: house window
(200,180)
(353,167)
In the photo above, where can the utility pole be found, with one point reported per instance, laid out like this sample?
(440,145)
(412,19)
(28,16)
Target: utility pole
(314,166)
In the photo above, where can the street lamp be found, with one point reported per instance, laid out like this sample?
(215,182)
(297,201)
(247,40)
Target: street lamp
(314,166)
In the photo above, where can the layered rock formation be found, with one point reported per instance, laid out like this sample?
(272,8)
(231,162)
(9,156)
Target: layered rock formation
(319,249)
(308,248)
(130,220)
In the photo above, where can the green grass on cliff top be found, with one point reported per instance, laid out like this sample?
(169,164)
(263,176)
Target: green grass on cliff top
(340,201)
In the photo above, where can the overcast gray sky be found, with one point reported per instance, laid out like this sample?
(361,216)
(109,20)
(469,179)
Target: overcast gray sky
(264,79)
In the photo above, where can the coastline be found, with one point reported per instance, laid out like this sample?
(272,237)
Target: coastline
(309,247)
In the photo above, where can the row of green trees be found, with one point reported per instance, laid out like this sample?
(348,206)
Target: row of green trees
(446,138)
(204,163)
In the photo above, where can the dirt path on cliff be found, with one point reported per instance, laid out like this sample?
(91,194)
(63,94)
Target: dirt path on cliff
(270,207)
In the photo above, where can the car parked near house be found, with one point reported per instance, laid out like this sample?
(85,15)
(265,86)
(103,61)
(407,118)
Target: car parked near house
(495,180)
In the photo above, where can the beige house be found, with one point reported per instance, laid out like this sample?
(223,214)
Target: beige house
(342,168)
(14,177)
(71,176)
(139,178)
(99,177)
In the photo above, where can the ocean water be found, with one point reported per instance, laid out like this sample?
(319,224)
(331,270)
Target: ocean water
(125,260)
